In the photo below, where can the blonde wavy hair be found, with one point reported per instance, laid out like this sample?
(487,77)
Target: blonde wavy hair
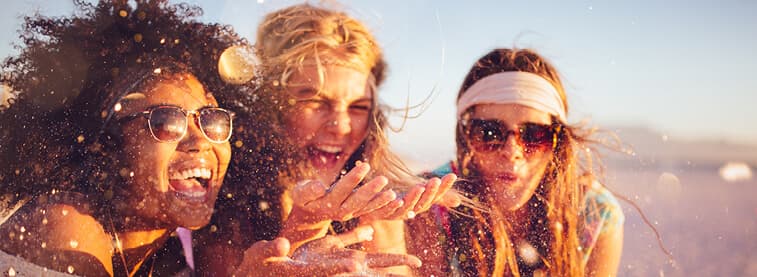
(484,238)
(304,35)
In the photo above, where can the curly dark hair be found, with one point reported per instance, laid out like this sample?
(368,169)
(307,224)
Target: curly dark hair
(71,70)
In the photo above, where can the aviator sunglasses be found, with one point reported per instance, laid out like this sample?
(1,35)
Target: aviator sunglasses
(488,135)
(170,123)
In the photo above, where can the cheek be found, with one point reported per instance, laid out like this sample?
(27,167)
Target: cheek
(223,152)
(302,124)
(536,167)
(359,125)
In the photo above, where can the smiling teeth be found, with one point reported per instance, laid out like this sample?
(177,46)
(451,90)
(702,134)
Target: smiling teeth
(202,173)
(329,149)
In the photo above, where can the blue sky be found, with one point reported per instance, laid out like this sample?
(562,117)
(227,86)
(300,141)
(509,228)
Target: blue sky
(684,68)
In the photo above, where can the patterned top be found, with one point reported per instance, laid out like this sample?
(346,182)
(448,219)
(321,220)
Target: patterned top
(601,213)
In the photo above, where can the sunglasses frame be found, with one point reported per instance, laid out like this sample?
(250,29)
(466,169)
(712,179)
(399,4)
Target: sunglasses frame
(554,127)
(147,114)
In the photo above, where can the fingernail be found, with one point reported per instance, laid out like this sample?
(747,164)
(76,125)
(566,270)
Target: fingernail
(302,183)
(393,194)
(410,215)
(365,234)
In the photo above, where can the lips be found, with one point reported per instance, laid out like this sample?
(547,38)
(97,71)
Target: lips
(191,180)
(507,177)
(325,156)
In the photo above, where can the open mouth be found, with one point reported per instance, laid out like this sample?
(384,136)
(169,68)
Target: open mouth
(325,156)
(507,177)
(191,183)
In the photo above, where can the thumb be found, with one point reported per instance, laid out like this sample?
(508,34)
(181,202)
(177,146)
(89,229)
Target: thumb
(261,250)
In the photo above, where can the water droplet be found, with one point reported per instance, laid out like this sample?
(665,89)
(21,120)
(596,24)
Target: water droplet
(123,13)
(21,237)
(44,221)
(70,269)
(275,83)
(117,107)
(238,144)
(131,174)
(44,245)
(157,70)
(11,272)
(64,212)
(229,195)
(80,139)
(528,253)
(73,244)
(138,37)
(263,205)
(213,228)
(23,229)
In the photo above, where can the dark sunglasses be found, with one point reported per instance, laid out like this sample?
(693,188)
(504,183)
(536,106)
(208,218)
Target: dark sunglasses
(487,135)
(169,123)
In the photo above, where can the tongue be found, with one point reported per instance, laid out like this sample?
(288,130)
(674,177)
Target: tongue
(323,159)
(186,185)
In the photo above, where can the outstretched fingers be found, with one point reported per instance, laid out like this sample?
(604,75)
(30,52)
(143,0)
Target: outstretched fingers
(362,197)
(447,196)
(342,189)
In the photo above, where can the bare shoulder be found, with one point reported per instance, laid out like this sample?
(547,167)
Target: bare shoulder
(62,236)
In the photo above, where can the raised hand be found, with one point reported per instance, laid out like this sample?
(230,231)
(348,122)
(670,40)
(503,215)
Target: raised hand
(418,199)
(314,201)
(321,257)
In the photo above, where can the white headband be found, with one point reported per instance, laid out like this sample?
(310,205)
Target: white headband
(514,87)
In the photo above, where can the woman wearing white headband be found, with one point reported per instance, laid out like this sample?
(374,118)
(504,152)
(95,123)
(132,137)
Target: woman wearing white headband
(540,211)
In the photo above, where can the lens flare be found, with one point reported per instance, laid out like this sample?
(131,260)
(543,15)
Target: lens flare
(735,172)
(237,64)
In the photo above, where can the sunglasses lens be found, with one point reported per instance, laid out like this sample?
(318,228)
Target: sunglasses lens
(216,124)
(486,135)
(536,135)
(168,123)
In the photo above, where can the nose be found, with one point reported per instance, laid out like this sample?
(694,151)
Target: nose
(194,140)
(340,122)
(511,149)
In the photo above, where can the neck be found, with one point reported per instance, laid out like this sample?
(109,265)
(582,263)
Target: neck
(135,247)
(136,241)
(520,220)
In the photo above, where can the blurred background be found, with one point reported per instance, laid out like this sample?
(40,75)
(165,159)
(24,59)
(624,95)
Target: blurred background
(675,80)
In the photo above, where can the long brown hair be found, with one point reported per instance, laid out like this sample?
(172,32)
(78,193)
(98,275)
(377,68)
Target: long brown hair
(489,249)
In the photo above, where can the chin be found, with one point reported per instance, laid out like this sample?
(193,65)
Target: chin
(193,221)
